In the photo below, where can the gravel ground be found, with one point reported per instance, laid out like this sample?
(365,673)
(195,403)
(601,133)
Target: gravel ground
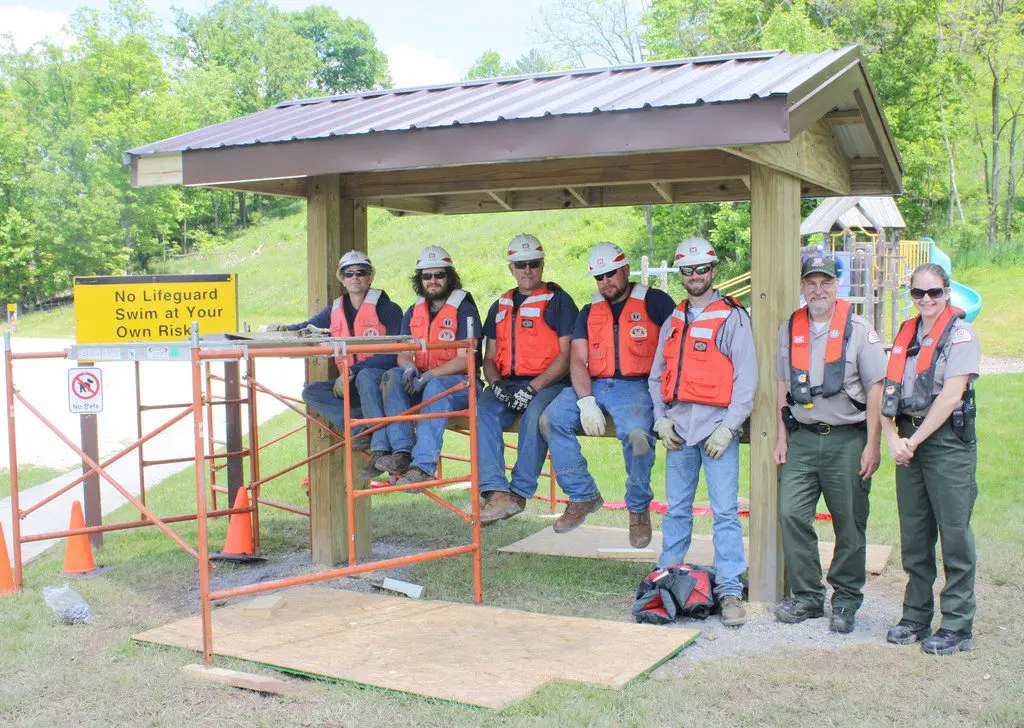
(997,365)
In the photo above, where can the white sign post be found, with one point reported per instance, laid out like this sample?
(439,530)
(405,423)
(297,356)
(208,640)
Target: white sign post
(85,390)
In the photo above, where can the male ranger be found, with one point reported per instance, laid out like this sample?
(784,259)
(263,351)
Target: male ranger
(829,366)
(527,332)
(612,351)
(702,384)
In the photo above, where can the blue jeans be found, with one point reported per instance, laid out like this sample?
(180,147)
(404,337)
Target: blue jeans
(492,417)
(425,445)
(682,470)
(367,401)
(629,404)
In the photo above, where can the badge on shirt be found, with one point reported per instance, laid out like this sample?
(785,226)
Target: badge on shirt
(897,350)
(834,334)
(638,332)
(929,341)
(527,323)
(446,335)
(961,336)
(635,316)
(371,332)
(799,339)
(447,322)
(700,346)
(873,337)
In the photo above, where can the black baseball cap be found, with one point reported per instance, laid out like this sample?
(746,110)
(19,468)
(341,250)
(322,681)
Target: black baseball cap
(819,264)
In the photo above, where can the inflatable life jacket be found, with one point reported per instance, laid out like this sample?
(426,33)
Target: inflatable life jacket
(905,345)
(632,340)
(839,333)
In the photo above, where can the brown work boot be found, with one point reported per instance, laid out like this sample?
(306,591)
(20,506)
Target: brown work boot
(396,462)
(733,612)
(370,469)
(639,529)
(576,513)
(501,504)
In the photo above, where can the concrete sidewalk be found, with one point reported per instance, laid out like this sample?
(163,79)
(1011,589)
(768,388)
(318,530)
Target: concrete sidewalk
(43,383)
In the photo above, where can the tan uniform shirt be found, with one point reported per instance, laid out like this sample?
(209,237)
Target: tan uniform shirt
(865,365)
(961,355)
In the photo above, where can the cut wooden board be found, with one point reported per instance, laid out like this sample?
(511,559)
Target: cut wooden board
(482,656)
(588,542)
(246,680)
(265,606)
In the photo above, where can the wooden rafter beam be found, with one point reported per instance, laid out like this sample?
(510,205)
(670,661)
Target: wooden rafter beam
(502,198)
(664,189)
(578,196)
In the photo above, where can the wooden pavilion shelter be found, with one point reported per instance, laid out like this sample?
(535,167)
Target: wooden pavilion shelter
(769,127)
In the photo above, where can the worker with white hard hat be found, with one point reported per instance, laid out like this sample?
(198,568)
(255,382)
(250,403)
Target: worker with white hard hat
(527,331)
(361,311)
(613,347)
(442,312)
(702,385)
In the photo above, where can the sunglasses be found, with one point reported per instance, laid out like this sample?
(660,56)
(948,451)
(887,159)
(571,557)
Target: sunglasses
(433,276)
(933,293)
(688,270)
(357,273)
(602,276)
(524,264)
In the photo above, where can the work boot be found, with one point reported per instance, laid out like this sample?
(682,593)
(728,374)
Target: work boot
(948,642)
(414,475)
(370,469)
(501,504)
(396,462)
(733,612)
(639,529)
(576,513)
(792,611)
(842,620)
(907,632)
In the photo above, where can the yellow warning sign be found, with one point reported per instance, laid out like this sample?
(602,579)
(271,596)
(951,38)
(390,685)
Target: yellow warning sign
(154,308)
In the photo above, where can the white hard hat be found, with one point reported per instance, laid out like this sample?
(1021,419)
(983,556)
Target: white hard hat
(352,257)
(695,251)
(434,256)
(524,247)
(604,258)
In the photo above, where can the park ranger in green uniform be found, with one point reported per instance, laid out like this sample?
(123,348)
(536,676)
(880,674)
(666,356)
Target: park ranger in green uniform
(829,366)
(928,419)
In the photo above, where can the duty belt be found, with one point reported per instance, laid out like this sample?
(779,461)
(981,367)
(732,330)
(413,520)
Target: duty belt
(823,428)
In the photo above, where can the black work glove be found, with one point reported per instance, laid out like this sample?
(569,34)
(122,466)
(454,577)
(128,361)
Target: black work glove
(522,398)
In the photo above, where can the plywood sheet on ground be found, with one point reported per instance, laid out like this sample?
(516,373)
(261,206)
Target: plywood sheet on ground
(586,541)
(475,655)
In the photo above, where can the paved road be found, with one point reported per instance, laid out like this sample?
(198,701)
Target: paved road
(43,383)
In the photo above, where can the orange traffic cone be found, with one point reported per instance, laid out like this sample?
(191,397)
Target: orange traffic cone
(78,552)
(6,578)
(238,544)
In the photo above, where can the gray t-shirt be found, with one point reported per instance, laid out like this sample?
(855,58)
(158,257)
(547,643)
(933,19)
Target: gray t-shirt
(961,355)
(865,365)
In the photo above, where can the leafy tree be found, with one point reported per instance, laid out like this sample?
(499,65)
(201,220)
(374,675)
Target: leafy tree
(489,65)
(346,50)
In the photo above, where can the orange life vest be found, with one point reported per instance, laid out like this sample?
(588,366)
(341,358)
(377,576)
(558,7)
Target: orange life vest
(893,401)
(526,345)
(366,323)
(627,344)
(443,327)
(839,332)
(706,377)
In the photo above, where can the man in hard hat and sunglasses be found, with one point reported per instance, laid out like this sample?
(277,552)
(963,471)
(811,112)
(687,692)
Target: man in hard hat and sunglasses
(441,313)
(613,347)
(702,384)
(527,330)
(362,311)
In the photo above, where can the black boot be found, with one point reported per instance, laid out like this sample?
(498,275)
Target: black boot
(948,642)
(907,632)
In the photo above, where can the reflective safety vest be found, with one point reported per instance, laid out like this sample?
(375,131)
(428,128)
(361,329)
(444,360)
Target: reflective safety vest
(840,330)
(366,323)
(695,369)
(526,345)
(443,327)
(893,401)
(627,344)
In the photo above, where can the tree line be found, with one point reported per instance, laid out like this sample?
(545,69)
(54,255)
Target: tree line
(68,112)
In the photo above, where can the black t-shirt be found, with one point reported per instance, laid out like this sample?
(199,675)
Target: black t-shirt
(659,308)
(560,314)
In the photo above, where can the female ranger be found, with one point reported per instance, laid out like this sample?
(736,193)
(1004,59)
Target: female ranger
(928,420)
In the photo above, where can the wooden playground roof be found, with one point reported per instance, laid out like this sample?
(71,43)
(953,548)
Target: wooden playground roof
(839,213)
(672,131)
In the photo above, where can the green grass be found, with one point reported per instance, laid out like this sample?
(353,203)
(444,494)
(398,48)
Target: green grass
(28,476)
(1001,320)
(61,676)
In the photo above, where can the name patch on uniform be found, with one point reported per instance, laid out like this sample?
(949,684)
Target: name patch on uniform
(873,337)
(446,335)
(638,332)
(700,346)
(799,339)
(527,323)
(961,336)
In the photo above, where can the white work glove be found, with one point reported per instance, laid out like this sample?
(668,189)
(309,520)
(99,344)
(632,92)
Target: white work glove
(339,387)
(312,330)
(266,328)
(666,430)
(591,416)
(409,373)
(418,383)
(522,398)
(717,442)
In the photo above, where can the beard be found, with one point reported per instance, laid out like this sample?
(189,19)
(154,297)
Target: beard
(614,294)
(442,293)
(697,288)
(818,307)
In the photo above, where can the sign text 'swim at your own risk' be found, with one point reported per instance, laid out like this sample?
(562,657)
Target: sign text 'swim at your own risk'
(154,308)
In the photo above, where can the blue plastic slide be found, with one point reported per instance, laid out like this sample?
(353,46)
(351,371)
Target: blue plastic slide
(960,295)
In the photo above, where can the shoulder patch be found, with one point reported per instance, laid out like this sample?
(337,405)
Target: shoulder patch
(873,337)
(961,336)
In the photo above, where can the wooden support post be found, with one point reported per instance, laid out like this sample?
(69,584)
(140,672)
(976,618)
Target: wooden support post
(333,225)
(91,485)
(775,281)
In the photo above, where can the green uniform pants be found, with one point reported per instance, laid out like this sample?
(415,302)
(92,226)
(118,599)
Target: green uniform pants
(825,464)
(935,495)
